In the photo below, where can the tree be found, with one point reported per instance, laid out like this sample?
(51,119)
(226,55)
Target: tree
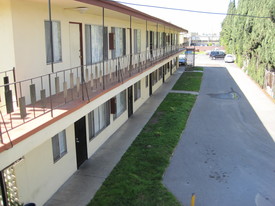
(251,39)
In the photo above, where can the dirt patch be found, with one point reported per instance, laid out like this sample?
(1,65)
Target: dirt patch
(155,118)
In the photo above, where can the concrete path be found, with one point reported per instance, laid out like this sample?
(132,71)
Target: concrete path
(184,92)
(82,186)
(226,155)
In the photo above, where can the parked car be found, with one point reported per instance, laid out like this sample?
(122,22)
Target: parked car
(216,54)
(182,59)
(229,58)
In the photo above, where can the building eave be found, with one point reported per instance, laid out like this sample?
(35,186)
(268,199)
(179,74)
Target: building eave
(131,12)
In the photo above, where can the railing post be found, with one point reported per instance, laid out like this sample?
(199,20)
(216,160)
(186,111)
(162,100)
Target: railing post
(50,88)
(15,88)
(6,130)
(82,81)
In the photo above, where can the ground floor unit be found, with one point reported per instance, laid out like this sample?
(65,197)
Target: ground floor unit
(34,169)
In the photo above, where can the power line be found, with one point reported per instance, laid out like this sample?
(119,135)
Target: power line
(187,10)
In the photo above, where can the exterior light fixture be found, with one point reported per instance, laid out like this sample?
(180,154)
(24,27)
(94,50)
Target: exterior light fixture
(81,10)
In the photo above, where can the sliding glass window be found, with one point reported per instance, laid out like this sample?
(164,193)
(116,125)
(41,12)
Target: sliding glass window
(119,42)
(137,91)
(120,104)
(99,119)
(56,42)
(137,41)
(94,43)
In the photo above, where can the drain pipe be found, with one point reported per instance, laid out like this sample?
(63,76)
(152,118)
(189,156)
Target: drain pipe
(51,33)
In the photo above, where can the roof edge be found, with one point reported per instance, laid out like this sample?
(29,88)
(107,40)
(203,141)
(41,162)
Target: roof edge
(112,5)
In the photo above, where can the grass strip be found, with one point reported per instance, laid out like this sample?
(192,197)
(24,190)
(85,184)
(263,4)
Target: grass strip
(137,178)
(198,68)
(189,81)
(194,69)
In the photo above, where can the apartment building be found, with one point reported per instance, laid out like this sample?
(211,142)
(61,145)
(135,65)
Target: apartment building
(71,73)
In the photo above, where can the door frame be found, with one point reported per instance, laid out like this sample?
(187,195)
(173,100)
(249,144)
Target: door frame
(171,67)
(80,40)
(130,101)
(163,74)
(81,141)
(150,84)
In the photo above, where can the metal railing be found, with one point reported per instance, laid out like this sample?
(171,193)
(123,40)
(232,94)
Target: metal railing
(40,95)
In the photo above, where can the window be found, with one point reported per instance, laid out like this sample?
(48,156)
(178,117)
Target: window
(160,39)
(164,39)
(147,39)
(137,41)
(119,42)
(99,119)
(94,43)
(137,91)
(155,40)
(59,145)
(154,77)
(146,81)
(120,103)
(56,40)
(160,73)
(105,43)
(157,43)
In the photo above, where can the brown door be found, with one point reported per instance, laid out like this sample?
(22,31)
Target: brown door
(80,141)
(130,101)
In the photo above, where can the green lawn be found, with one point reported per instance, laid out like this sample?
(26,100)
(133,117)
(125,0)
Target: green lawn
(198,68)
(189,81)
(194,69)
(137,178)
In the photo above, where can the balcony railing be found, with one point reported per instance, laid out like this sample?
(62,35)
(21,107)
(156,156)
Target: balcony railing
(28,99)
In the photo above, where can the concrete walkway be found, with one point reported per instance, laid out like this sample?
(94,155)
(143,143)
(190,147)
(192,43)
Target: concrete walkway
(226,153)
(82,186)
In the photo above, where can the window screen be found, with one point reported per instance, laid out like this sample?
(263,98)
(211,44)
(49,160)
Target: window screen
(56,41)
(59,145)
(137,91)
(94,43)
(99,119)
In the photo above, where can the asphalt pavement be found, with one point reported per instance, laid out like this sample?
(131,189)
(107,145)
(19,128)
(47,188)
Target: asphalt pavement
(226,153)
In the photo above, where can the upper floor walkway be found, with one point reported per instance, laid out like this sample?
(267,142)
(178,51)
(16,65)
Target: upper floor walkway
(32,104)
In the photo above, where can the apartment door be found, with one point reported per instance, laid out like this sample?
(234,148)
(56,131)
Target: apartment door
(76,44)
(130,101)
(163,74)
(171,67)
(80,141)
(150,84)
(151,42)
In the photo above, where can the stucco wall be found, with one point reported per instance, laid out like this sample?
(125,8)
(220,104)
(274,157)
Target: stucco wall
(6,33)
(38,177)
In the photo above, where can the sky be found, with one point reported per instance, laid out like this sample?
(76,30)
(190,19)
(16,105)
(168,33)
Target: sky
(193,22)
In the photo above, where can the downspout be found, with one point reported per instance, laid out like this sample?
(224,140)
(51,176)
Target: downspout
(131,52)
(147,41)
(103,24)
(51,41)
(51,33)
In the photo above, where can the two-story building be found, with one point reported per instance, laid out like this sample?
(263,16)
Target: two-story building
(71,73)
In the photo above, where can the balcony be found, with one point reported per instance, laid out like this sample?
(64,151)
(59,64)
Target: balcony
(39,100)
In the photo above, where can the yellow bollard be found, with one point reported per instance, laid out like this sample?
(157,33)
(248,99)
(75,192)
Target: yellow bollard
(193,198)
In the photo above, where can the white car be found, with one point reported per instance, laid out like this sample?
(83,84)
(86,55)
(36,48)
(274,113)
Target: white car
(229,58)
